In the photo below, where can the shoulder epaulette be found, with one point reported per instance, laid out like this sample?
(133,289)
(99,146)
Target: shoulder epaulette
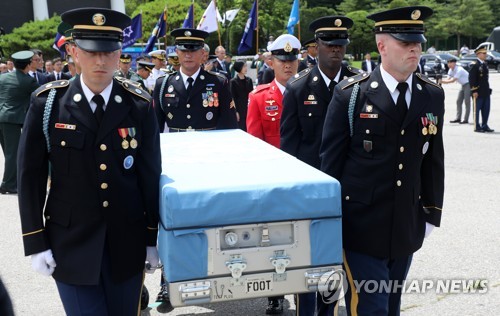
(354,70)
(135,88)
(261,87)
(301,74)
(427,80)
(217,74)
(344,84)
(52,85)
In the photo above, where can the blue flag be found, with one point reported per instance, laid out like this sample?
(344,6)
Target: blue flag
(294,17)
(189,20)
(247,39)
(132,32)
(159,31)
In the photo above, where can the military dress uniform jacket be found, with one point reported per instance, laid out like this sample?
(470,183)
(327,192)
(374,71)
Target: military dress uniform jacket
(305,103)
(391,172)
(478,79)
(15,91)
(265,105)
(102,194)
(208,106)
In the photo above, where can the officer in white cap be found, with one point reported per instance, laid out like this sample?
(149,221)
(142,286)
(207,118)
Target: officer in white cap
(158,57)
(265,107)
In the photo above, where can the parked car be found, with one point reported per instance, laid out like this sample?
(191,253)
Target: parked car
(492,59)
(434,66)
(445,57)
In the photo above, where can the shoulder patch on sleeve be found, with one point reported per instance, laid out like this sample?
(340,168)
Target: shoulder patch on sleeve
(427,80)
(51,85)
(301,74)
(135,88)
(352,80)
(261,87)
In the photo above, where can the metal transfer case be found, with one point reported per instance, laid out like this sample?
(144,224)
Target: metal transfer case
(242,219)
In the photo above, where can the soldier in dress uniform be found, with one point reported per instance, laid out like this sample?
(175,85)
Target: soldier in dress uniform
(265,107)
(480,89)
(311,58)
(15,91)
(100,221)
(192,98)
(144,69)
(304,109)
(124,68)
(173,62)
(158,57)
(383,140)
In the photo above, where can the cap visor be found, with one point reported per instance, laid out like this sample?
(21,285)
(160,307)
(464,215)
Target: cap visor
(97,45)
(285,57)
(336,42)
(409,37)
(189,47)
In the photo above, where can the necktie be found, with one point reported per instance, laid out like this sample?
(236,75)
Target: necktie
(401,105)
(331,87)
(190,85)
(57,76)
(99,110)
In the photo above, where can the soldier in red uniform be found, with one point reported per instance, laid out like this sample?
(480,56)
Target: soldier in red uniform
(265,102)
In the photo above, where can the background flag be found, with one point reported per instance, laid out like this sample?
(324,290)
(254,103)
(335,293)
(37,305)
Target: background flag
(189,20)
(294,17)
(247,39)
(159,31)
(133,31)
(208,22)
(229,16)
(58,41)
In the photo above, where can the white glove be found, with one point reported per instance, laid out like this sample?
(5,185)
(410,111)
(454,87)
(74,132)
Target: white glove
(43,262)
(428,229)
(152,260)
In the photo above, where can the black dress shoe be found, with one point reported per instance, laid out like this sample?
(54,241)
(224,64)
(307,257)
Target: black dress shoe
(274,306)
(455,121)
(144,298)
(479,130)
(488,130)
(164,299)
(7,191)
(464,122)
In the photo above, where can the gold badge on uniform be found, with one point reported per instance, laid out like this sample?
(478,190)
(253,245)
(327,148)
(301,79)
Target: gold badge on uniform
(99,19)
(433,121)
(170,88)
(170,115)
(338,22)
(123,134)
(133,142)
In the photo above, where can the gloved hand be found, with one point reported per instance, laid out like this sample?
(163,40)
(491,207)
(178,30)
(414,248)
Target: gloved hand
(152,260)
(428,229)
(43,262)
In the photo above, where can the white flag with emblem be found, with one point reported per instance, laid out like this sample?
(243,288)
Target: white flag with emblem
(208,22)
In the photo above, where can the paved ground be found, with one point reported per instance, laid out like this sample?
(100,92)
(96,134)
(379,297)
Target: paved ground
(465,247)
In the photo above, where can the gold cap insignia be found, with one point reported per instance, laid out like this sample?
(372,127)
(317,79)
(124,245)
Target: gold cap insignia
(288,47)
(415,14)
(338,22)
(98,19)
(187,33)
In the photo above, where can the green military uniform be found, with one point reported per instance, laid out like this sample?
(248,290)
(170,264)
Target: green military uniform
(15,90)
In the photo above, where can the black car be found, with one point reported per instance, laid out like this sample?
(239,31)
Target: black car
(434,66)
(492,59)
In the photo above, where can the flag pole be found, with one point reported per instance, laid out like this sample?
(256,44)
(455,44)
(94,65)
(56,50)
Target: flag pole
(217,20)
(192,25)
(166,26)
(298,26)
(257,32)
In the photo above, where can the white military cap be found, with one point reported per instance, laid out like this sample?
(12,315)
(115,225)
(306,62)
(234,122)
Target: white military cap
(285,47)
(159,53)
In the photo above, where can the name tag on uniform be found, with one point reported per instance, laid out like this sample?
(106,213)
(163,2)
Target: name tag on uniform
(65,126)
(310,102)
(169,95)
(272,108)
(368,115)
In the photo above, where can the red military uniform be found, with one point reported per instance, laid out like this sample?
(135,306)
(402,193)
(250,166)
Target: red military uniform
(264,113)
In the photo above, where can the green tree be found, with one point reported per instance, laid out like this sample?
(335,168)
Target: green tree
(361,34)
(34,34)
